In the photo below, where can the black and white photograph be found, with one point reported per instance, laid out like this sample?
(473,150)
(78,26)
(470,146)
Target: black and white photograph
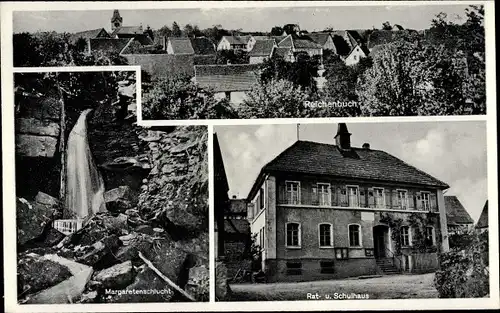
(276,62)
(106,211)
(351,211)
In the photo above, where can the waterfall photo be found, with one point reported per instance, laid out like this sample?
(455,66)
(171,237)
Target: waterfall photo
(106,211)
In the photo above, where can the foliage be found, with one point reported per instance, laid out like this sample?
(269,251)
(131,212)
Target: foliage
(418,223)
(275,99)
(395,226)
(176,30)
(192,31)
(231,57)
(386,26)
(463,274)
(179,98)
(276,31)
(461,241)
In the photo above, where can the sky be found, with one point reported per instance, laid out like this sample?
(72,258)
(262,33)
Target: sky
(248,19)
(454,152)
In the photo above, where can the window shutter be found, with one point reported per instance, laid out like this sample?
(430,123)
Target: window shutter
(343,196)
(314,195)
(411,199)
(433,202)
(281,193)
(333,192)
(371,198)
(394,199)
(418,196)
(362,197)
(387,198)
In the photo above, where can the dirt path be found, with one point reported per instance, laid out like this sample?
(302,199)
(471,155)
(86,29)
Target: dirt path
(386,287)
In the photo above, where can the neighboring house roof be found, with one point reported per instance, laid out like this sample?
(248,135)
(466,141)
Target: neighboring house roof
(356,36)
(483,219)
(90,34)
(181,45)
(227,78)
(282,51)
(347,36)
(262,48)
(307,157)
(238,207)
(127,30)
(455,212)
(109,44)
(144,40)
(202,46)
(163,65)
(319,38)
(296,42)
(237,40)
(234,226)
(363,48)
(341,46)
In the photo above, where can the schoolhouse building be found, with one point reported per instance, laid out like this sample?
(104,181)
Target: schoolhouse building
(326,211)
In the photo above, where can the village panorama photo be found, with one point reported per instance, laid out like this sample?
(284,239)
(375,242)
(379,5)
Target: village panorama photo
(276,62)
(351,211)
(106,211)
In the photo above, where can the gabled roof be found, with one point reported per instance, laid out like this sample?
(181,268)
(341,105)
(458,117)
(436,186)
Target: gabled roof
(347,36)
(455,212)
(238,40)
(144,40)
(482,222)
(90,34)
(181,45)
(202,46)
(227,78)
(282,51)
(319,38)
(127,30)
(109,44)
(262,48)
(307,157)
(302,42)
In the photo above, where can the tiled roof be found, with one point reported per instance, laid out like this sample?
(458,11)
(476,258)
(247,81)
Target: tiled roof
(302,42)
(144,40)
(108,44)
(262,48)
(323,159)
(226,78)
(238,40)
(282,51)
(483,219)
(455,212)
(90,34)
(181,45)
(202,46)
(319,38)
(127,30)
(163,65)
(341,45)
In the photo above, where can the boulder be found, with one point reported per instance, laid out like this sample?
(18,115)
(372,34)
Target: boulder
(130,251)
(119,199)
(67,291)
(145,229)
(31,218)
(35,146)
(115,223)
(100,250)
(53,237)
(35,273)
(198,283)
(46,199)
(117,276)
(89,297)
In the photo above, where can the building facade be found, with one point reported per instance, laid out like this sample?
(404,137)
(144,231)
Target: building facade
(332,211)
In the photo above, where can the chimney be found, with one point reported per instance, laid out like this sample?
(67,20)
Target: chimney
(366,146)
(343,137)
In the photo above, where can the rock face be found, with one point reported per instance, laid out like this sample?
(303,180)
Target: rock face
(100,250)
(31,218)
(119,199)
(145,281)
(199,282)
(221,286)
(36,146)
(35,273)
(117,276)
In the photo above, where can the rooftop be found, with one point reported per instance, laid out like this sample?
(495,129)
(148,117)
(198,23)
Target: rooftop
(455,212)
(227,78)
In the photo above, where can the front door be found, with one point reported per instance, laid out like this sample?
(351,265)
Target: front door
(379,245)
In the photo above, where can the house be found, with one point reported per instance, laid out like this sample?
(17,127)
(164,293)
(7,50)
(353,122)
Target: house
(326,211)
(300,44)
(285,52)
(235,43)
(202,46)
(262,50)
(227,81)
(145,37)
(458,218)
(108,45)
(482,222)
(236,229)
(355,55)
(350,46)
(90,34)
(325,40)
(221,199)
(179,46)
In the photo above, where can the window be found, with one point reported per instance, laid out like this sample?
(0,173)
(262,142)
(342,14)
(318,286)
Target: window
(341,253)
(405,236)
(402,199)
(293,192)
(354,235)
(294,268)
(429,236)
(261,199)
(426,201)
(325,235)
(353,194)
(379,197)
(324,194)
(326,267)
(293,235)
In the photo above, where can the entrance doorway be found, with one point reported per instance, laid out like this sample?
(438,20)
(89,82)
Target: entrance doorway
(380,241)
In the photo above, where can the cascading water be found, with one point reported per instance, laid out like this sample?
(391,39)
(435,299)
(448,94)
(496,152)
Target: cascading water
(84,183)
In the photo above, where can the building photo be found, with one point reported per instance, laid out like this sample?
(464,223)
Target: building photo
(366,208)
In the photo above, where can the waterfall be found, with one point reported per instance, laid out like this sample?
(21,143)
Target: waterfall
(84,183)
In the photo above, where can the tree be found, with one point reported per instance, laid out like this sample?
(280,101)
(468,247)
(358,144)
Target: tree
(231,57)
(176,30)
(275,99)
(164,31)
(178,98)
(192,31)
(276,31)
(386,26)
